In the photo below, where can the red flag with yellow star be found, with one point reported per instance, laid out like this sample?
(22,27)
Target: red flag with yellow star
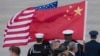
(52,22)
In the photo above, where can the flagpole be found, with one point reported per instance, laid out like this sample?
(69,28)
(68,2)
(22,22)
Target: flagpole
(85,20)
(85,26)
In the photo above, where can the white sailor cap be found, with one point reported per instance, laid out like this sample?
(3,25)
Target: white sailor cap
(39,35)
(68,32)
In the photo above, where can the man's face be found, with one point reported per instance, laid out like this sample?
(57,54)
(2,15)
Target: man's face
(12,53)
(39,39)
(75,50)
(68,37)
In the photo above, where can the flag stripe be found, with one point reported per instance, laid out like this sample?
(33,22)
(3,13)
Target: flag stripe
(28,11)
(16,41)
(9,33)
(15,38)
(17,35)
(26,16)
(18,29)
(19,26)
(20,23)
(12,20)
(15,44)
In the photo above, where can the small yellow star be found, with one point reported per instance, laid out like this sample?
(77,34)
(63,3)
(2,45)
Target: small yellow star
(65,15)
(70,6)
(78,11)
(68,18)
(67,11)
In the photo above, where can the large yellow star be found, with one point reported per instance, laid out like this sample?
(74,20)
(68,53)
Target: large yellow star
(78,11)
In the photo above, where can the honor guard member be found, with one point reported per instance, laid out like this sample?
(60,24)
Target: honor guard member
(92,48)
(68,36)
(38,48)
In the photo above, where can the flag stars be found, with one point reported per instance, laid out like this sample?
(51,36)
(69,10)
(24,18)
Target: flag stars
(48,6)
(66,17)
(55,3)
(78,11)
(67,12)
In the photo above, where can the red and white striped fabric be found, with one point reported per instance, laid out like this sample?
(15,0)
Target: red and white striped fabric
(17,30)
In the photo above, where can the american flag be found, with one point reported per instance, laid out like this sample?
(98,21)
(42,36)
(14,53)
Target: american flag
(17,30)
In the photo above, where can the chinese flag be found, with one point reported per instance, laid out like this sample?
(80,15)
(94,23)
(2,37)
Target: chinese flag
(52,22)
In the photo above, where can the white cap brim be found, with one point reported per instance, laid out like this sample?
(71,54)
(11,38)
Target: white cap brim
(39,35)
(68,32)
